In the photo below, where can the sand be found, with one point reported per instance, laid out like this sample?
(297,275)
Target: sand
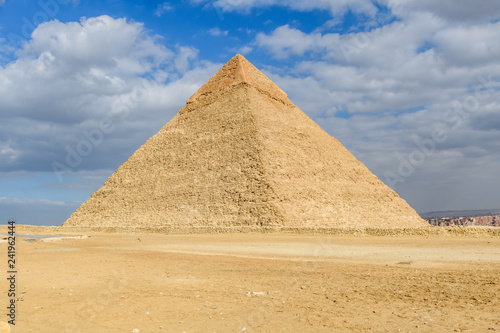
(256,282)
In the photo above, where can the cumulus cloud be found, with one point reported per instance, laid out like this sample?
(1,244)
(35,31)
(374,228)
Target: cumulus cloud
(452,10)
(477,45)
(286,41)
(397,41)
(70,77)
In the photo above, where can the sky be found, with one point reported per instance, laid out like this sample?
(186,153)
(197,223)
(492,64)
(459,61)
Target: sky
(410,87)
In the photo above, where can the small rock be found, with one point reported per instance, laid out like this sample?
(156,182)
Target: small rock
(243,329)
(302,287)
(135,330)
(214,307)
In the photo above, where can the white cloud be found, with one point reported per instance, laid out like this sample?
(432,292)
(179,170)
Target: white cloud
(69,71)
(394,42)
(286,41)
(382,70)
(459,11)
(185,56)
(245,50)
(469,45)
(216,32)
(163,8)
(71,76)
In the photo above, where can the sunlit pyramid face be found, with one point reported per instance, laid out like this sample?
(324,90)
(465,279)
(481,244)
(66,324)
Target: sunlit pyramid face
(240,153)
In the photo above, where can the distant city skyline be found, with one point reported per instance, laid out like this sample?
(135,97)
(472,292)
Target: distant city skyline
(410,87)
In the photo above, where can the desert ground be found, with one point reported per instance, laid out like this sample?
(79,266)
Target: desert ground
(254,282)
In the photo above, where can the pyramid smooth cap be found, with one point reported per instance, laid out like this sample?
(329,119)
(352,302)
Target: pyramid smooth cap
(238,71)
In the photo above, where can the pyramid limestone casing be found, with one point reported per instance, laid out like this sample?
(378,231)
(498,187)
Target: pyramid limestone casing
(241,154)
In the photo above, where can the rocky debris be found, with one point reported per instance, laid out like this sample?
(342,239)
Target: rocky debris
(255,293)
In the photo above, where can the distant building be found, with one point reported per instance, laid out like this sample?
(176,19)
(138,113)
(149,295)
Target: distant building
(488,221)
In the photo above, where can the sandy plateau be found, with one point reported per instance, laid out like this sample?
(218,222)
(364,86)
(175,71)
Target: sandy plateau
(255,282)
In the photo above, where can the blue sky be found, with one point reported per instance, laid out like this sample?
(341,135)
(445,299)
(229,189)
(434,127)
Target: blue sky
(411,87)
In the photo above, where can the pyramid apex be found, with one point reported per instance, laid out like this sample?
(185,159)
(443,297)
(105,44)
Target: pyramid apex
(240,58)
(238,71)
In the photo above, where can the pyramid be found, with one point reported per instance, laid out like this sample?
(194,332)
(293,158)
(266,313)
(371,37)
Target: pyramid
(240,153)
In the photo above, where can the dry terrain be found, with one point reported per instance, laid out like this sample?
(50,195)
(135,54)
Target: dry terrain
(118,282)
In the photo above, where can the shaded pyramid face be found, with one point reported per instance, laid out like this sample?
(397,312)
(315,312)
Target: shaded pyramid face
(239,153)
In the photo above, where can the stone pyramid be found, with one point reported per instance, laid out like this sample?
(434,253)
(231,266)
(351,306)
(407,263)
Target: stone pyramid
(240,153)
